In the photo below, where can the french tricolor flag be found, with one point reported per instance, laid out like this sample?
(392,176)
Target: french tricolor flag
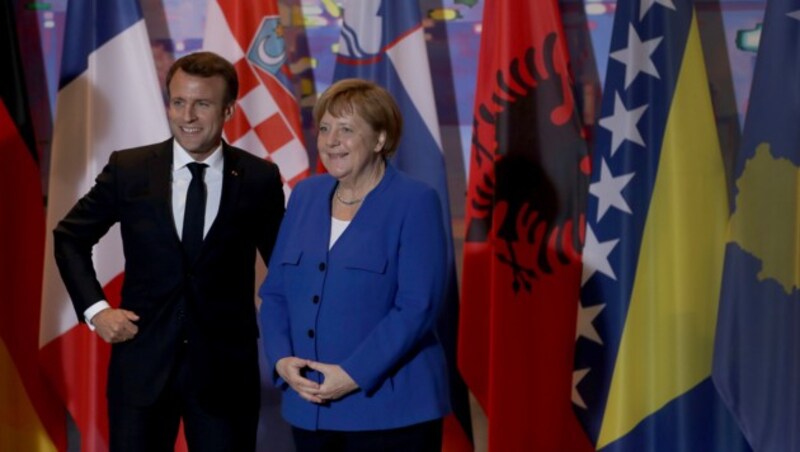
(108,99)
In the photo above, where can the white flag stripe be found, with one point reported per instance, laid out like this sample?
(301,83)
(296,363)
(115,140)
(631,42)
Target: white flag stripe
(135,115)
(218,37)
(417,83)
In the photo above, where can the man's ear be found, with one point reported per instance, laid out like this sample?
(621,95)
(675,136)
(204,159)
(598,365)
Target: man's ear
(228,112)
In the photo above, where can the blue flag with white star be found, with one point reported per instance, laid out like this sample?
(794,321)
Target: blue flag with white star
(757,353)
(654,244)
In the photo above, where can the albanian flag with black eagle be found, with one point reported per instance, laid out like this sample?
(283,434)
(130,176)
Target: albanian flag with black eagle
(528,179)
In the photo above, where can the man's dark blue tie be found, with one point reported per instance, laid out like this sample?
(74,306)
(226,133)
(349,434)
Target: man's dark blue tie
(195,213)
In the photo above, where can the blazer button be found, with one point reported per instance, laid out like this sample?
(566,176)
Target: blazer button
(311,334)
(322,266)
(315,300)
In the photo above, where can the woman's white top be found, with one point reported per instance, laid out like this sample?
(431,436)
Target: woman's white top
(337,228)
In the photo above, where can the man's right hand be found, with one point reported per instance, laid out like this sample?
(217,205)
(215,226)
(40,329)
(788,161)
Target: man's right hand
(115,325)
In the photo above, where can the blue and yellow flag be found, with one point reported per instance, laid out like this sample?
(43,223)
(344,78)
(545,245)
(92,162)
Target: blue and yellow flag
(655,242)
(757,353)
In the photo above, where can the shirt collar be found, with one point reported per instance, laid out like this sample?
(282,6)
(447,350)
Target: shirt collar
(181,158)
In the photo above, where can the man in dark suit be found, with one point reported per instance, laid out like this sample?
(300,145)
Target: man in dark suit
(192,211)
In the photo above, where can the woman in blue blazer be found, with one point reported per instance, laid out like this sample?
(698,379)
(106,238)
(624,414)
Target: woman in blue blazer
(355,285)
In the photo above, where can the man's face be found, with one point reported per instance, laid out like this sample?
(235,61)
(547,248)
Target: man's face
(196,112)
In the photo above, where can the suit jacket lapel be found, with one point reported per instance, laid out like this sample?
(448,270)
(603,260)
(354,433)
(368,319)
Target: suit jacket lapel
(160,175)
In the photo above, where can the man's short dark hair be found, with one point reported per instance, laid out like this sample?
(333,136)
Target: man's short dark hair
(208,64)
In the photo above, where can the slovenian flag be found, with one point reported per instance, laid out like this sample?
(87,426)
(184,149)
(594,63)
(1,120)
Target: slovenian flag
(383,41)
(655,240)
(757,352)
(108,99)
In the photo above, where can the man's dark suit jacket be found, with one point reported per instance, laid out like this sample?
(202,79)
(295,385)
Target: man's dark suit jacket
(209,303)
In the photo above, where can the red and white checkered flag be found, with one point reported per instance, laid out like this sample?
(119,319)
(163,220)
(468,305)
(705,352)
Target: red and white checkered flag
(266,121)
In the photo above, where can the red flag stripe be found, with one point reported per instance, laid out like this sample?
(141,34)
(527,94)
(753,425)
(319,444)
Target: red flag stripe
(244,18)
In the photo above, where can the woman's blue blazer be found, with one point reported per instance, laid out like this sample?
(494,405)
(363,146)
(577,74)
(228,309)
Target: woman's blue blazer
(369,304)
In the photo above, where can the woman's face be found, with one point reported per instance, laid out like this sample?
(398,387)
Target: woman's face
(349,147)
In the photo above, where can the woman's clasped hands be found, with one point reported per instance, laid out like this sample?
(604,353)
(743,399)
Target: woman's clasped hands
(336,383)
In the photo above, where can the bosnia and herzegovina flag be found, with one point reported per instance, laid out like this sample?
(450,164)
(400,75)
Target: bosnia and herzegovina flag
(654,244)
(31,416)
(383,41)
(108,99)
(757,351)
(529,172)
